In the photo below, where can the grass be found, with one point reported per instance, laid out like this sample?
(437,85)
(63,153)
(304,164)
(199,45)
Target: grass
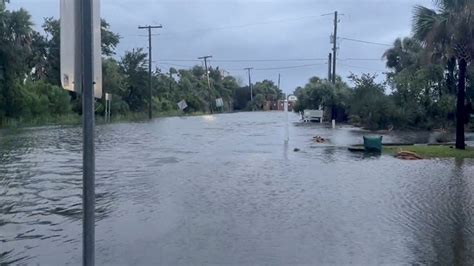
(432,151)
(75,119)
(69,119)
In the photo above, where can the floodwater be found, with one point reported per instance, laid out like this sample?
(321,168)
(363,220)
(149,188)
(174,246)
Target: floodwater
(225,190)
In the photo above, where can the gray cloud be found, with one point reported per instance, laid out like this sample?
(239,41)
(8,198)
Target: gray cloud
(245,29)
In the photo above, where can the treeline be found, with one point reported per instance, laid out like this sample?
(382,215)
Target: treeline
(430,82)
(30,87)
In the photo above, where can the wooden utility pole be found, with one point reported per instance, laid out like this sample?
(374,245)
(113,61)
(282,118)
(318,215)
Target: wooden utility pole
(208,80)
(329,67)
(150,114)
(250,82)
(334,49)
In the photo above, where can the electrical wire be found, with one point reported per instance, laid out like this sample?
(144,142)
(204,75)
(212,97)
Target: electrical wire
(366,42)
(361,67)
(268,60)
(288,67)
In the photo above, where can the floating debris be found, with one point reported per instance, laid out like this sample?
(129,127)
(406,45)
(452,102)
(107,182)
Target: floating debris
(296,150)
(408,155)
(319,139)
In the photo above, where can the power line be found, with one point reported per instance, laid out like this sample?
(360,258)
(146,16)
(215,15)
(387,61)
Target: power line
(362,67)
(360,59)
(366,42)
(288,67)
(243,25)
(171,64)
(270,60)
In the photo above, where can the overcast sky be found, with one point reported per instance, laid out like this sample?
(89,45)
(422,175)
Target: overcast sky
(255,30)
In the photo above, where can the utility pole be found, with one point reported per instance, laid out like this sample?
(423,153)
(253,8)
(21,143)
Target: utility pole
(329,68)
(171,78)
(250,82)
(279,76)
(334,49)
(150,114)
(208,81)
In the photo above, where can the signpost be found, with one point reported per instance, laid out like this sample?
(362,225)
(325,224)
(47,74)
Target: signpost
(220,103)
(70,43)
(81,71)
(182,105)
(287,126)
(108,104)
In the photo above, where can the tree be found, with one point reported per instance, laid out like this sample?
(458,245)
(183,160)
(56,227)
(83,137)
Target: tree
(133,67)
(369,103)
(318,92)
(404,54)
(109,39)
(15,48)
(268,89)
(52,68)
(450,31)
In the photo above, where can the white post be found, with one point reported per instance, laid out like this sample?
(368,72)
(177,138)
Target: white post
(106,108)
(110,107)
(333,123)
(287,129)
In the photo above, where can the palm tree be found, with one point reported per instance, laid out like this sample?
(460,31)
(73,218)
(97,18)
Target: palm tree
(449,30)
(404,54)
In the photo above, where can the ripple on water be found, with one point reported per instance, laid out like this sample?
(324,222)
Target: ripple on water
(226,189)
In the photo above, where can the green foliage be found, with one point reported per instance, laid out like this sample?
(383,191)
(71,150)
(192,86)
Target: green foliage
(109,39)
(332,97)
(449,33)
(370,104)
(268,89)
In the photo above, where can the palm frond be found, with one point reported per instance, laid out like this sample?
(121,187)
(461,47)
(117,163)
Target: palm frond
(423,22)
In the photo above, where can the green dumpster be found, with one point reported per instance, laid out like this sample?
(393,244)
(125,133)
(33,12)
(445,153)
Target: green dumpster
(373,144)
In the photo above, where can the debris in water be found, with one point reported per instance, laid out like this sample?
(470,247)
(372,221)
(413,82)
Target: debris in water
(408,155)
(296,150)
(319,139)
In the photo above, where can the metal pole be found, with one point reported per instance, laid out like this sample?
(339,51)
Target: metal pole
(334,49)
(106,108)
(110,107)
(287,130)
(88,178)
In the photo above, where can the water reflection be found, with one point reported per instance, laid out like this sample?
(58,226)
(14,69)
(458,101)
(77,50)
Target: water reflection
(226,189)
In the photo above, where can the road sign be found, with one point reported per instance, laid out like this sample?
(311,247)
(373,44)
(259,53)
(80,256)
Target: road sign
(219,102)
(292,98)
(182,105)
(69,51)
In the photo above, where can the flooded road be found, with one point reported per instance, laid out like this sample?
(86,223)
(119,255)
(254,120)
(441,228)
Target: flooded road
(225,190)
